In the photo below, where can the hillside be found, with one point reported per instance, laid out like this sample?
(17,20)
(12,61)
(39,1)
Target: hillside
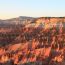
(39,41)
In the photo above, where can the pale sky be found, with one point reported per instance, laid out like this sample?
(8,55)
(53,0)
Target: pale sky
(33,8)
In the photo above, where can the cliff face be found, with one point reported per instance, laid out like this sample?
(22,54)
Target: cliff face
(41,44)
(47,22)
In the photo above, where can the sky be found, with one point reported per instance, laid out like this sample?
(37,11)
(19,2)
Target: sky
(32,8)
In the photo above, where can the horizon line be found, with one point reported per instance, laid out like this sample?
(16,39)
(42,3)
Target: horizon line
(31,16)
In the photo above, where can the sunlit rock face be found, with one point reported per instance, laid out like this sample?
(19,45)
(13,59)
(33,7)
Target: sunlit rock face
(40,42)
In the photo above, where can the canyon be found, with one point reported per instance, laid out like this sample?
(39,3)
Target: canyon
(32,41)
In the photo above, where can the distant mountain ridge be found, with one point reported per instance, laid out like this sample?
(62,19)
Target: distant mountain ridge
(33,22)
(18,20)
